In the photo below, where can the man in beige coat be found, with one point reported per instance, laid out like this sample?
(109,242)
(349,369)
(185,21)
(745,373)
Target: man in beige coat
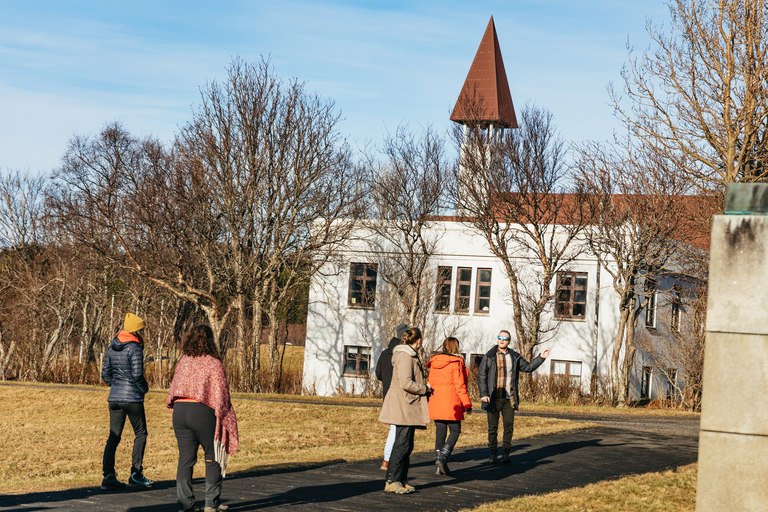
(406,407)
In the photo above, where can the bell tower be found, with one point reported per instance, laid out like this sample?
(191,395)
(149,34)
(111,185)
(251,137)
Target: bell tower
(484,103)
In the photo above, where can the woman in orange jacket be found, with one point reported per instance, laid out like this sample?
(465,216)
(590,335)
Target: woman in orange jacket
(449,400)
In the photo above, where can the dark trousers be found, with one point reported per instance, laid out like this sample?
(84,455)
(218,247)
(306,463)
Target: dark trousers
(195,425)
(504,409)
(397,471)
(441,429)
(117,413)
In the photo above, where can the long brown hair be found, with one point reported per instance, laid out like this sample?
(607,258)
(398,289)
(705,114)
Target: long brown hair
(450,346)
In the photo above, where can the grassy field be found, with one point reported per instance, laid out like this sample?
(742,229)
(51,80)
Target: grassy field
(670,491)
(53,436)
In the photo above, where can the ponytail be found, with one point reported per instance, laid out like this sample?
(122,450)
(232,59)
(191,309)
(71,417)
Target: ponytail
(411,336)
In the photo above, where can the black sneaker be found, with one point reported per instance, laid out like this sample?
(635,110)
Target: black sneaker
(505,457)
(139,480)
(111,482)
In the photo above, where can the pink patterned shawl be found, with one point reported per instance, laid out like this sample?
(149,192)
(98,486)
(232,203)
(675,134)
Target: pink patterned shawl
(203,379)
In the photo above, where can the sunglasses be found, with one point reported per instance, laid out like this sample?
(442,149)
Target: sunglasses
(503,338)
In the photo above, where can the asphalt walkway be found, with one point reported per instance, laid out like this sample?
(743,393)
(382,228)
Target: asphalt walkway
(539,465)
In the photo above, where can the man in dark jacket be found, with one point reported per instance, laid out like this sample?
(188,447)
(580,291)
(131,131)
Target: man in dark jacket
(498,390)
(384,374)
(123,371)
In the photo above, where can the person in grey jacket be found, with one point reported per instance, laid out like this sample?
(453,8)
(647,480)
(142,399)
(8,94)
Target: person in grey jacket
(123,371)
(498,392)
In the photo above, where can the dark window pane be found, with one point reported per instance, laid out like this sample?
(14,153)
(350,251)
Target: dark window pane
(485,276)
(578,310)
(564,295)
(581,281)
(565,281)
(484,304)
(465,274)
(462,304)
(579,296)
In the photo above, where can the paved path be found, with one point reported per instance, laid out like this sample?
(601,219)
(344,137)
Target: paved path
(539,465)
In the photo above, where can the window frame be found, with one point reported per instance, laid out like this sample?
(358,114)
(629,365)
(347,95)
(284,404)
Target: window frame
(444,280)
(651,290)
(366,302)
(358,372)
(478,285)
(571,378)
(645,383)
(676,310)
(459,284)
(572,289)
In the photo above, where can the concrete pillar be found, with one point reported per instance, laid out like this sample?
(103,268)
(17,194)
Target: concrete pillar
(733,441)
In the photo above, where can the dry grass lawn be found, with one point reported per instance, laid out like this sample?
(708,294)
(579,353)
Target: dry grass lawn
(668,491)
(53,436)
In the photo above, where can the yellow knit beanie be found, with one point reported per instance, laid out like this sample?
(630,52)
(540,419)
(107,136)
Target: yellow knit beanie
(133,323)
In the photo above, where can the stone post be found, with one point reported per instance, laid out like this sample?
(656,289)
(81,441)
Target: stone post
(733,441)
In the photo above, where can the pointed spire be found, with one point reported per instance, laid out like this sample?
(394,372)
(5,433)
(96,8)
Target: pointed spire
(485,96)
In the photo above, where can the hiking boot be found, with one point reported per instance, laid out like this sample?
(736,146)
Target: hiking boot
(494,459)
(216,509)
(111,482)
(408,487)
(397,488)
(139,480)
(442,461)
(505,456)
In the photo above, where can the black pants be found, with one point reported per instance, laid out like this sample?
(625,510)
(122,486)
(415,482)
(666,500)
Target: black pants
(397,471)
(504,409)
(441,429)
(195,425)
(117,413)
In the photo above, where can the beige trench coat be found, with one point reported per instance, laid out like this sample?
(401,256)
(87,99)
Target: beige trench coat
(406,401)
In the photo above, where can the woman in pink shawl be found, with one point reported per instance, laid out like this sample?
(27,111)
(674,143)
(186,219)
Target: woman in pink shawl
(202,416)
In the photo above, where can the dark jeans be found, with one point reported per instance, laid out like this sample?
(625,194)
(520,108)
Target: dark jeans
(397,471)
(504,409)
(441,429)
(117,414)
(195,425)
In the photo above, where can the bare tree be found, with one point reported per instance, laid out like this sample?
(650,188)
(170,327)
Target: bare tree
(511,188)
(21,208)
(407,190)
(700,92)
(639,225)
(278,175)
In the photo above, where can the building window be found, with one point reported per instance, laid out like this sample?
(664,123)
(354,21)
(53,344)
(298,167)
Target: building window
(674,321)
(475,360)
(568,369)
(671,381)
(645,385)
(650,308)
(571,295)
(463,289)
(357,360)
(444,276)
(483,292)
(362,285)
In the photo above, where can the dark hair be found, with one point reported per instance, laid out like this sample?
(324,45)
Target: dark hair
(411,336)
(450,345)
(509,335)
(199,342)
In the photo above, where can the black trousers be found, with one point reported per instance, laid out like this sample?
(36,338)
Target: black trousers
(195,425)
(441,429)
(117,414)
(397,471)
(504,409)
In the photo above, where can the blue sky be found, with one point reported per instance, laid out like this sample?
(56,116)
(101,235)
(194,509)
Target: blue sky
(70,67)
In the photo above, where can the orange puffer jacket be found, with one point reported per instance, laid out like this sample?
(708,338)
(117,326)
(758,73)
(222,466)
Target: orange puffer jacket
(448,379)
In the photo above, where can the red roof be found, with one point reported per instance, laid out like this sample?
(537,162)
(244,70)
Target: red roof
(485,96)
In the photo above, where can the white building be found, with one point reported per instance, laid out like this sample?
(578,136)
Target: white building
(349,321)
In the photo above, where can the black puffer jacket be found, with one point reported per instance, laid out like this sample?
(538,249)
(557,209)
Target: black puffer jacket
(384,366)
(487,375)
(123,370)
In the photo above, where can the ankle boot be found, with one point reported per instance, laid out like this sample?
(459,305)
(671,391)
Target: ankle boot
(494,459)
(442,461)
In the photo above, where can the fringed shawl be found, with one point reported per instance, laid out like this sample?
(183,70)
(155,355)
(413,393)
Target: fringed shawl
(203,379)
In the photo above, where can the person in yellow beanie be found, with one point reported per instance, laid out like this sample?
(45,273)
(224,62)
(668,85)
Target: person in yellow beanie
(123,371)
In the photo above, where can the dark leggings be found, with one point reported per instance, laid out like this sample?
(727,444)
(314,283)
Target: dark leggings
(134,411)
(441,429)
(194,425)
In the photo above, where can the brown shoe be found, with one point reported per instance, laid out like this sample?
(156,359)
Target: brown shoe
(384,465)
(397,488)
(409,487)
